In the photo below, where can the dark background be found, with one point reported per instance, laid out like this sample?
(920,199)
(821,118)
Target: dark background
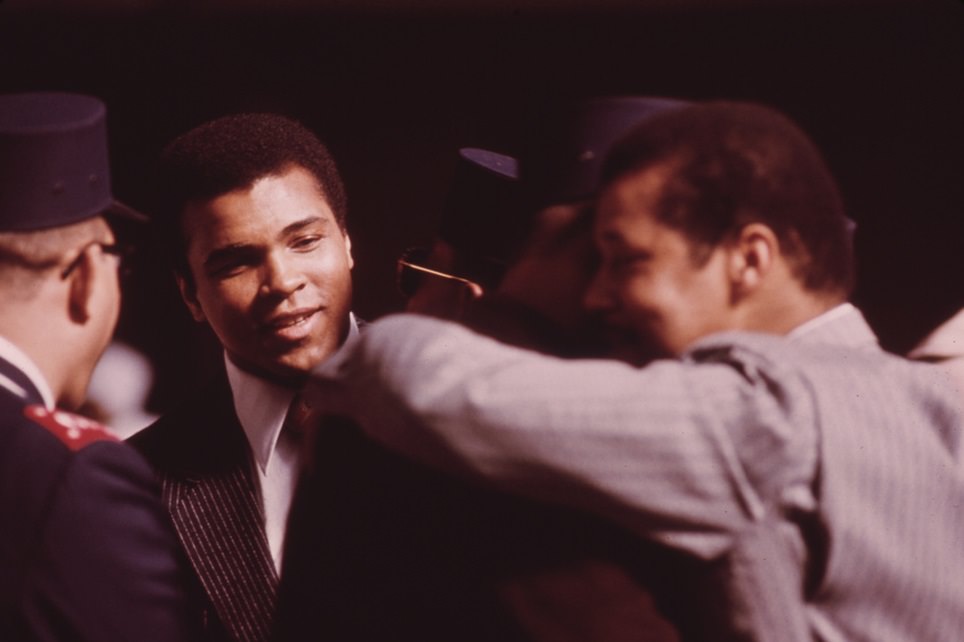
(395,88)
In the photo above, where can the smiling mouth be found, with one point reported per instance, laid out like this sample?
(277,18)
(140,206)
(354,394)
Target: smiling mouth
(289,324)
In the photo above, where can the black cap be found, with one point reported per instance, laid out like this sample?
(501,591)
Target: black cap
(563,160)
(480,214)
(54,167)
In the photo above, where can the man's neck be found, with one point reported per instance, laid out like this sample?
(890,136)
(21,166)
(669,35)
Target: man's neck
(293,380)
(781,311)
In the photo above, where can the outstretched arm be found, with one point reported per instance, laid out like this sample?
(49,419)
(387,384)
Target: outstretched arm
(653,449)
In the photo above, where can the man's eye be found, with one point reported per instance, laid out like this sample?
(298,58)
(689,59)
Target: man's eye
(620,262)
(627,263)
(308,242)
(227,269)
(231,264)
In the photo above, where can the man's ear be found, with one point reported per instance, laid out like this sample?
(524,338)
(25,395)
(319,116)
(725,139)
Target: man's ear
(81,287)
(351,260)
(752,257)
(189,295)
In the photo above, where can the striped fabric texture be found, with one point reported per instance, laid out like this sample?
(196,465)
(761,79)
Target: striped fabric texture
(219,526)
(202,459)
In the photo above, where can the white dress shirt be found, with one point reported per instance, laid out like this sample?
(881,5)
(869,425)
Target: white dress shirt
(261,407)
(25,364)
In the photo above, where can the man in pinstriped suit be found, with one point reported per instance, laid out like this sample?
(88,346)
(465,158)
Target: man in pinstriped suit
(817,478)
(253,215)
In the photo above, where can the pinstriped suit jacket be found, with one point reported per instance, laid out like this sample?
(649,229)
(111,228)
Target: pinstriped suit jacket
(202,458)
(825,476)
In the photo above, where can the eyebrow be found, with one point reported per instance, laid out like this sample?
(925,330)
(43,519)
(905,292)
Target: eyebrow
(226,252)
(297,226)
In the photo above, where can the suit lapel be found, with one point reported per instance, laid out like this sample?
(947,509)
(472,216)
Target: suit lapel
(216,509)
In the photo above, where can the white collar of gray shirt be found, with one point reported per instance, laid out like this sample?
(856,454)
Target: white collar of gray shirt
(842,324)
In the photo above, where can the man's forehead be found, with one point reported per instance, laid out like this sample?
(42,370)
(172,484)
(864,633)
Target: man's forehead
(275,201)
(216,239)
(633,196)
(618,208)
(643,185)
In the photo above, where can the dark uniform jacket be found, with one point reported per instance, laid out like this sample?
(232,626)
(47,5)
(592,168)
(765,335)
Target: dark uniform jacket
(86,549)
(203,460)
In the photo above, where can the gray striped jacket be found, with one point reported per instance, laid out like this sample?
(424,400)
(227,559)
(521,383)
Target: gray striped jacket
(822,474)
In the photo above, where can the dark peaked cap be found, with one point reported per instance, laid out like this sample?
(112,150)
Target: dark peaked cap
(54,167)
(480,213)
(563,160)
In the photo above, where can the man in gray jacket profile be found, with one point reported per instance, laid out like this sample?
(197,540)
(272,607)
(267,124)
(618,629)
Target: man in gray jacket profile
(816,477)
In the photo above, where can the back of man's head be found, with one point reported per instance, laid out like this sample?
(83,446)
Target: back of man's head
(731,164)
(231,153)
(28,257)
(59,288)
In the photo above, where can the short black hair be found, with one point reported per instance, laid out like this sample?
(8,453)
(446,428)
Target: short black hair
(732,164)
(230,153)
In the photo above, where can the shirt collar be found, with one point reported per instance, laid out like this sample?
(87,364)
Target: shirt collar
(261,405)
(25,364)
(842,324)
(352,332)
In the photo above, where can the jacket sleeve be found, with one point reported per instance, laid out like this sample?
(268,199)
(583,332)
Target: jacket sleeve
(657,449)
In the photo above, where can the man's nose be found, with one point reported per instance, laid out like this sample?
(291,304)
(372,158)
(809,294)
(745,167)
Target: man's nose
(281,275)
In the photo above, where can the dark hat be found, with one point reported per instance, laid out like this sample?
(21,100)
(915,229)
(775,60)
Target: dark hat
(563,159)
(54,167)
(480,213)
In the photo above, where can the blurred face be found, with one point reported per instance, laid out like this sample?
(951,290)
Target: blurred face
(648,287)
(272,274)
(553,272)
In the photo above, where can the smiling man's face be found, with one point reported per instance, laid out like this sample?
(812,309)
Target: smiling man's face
(650,289)
(272,273)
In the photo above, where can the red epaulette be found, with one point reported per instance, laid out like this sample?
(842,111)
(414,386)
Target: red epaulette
(73,430)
